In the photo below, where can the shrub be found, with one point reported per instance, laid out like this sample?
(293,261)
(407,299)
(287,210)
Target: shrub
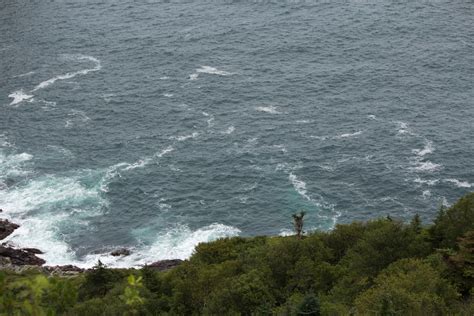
(408,287)
(453,223)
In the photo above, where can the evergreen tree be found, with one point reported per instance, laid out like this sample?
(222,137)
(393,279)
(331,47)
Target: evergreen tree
(309,306)
(415,224)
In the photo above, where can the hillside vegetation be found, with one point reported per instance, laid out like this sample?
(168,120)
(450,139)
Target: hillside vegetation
(381,267)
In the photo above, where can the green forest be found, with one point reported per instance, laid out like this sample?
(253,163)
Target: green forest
(380,267)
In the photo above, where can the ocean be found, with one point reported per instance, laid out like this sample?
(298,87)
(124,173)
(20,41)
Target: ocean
(156,125)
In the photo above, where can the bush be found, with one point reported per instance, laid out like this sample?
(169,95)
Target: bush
(382,267)
(408,287)
(453,223)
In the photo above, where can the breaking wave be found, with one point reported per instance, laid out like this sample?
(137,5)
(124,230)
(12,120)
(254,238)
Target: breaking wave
(175,243)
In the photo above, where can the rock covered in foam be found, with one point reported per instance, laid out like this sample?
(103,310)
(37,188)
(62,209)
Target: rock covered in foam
(33,251)
(6,228)
(19,256)
(163,265)
(120,252)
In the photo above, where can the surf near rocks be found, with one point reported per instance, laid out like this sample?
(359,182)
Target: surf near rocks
(13,256)
(6,228)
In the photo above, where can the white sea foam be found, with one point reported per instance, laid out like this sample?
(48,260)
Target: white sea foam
(459,183)
(428,149)
(213,71)
(138,164)
(43,204)
(19,96)
(40,205)
(285,232)
(209,70)
(70,75)
(4,142)
(146,161)
(210,120)
(299,185)
(164,78)
(25,74)
(426,181)
(403,128)
(46,191)
(318,137)
(282,148)
(115,170)
(326,212)
(268,109)
(229,130)
(185,137)
(444,202)
(427,166)
(426,194)
(347,135)
(40,232)
(372,117)
(76,116)
(14,165)
(327,167)
(168,95)
(176,243)
(165,151)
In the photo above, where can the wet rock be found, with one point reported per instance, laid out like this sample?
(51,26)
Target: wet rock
(120,252)
(20,257)
(6,228)
(33,250)
(164,265)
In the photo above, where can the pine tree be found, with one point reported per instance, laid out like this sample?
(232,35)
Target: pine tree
(415,224)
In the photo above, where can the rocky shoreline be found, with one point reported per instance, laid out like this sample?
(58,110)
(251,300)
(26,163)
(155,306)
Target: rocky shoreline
(23,259)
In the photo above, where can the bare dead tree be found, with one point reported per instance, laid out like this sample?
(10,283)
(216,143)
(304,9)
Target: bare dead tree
(298,223)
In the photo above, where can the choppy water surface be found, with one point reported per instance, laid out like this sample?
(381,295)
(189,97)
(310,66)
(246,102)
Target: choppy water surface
(159,125)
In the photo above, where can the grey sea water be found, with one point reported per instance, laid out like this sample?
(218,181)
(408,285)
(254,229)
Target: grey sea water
(157,125)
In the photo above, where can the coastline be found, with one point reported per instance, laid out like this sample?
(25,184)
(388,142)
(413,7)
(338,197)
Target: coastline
(18,259)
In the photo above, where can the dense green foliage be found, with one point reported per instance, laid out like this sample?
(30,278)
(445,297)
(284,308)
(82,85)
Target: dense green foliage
(382,267)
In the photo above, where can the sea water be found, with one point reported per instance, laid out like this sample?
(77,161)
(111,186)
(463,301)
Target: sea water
(157,125)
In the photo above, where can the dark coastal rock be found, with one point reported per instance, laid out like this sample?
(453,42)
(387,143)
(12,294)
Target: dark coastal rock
(163,265)
(33,250)
(6,228)
(120,252)
(20,257)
